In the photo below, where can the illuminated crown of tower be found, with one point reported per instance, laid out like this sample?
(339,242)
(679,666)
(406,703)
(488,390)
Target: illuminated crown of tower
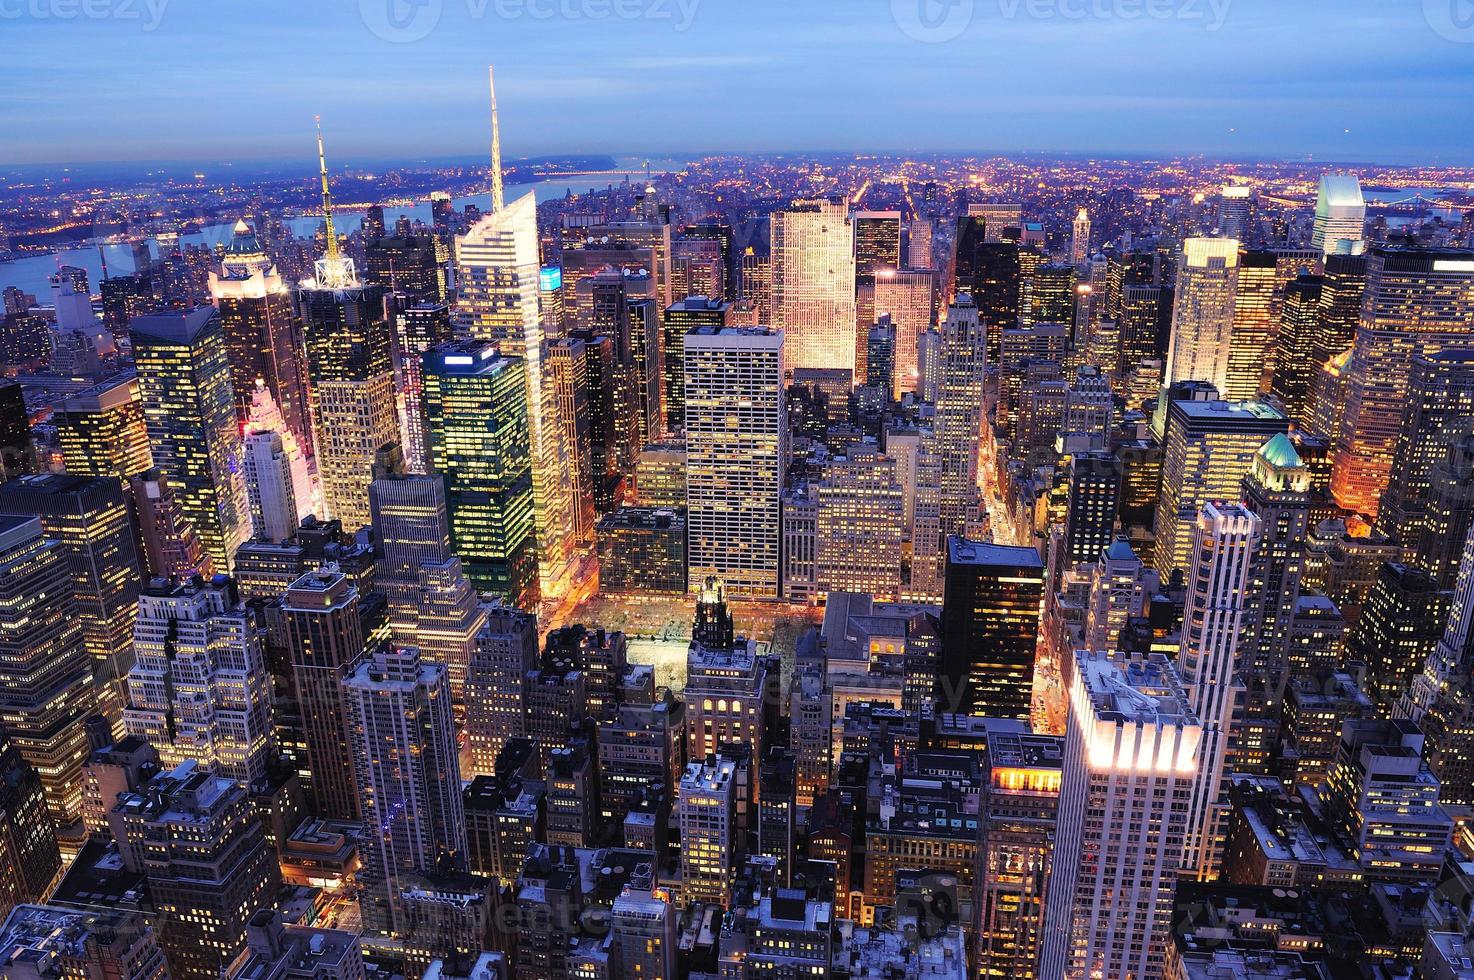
(334,270)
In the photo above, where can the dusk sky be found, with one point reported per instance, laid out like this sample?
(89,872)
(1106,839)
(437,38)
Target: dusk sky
(1361,80)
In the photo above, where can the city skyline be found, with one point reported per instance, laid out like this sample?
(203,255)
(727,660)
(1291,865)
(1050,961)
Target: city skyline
(1226,78)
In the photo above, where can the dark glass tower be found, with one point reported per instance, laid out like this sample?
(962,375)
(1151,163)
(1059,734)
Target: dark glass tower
(990,626)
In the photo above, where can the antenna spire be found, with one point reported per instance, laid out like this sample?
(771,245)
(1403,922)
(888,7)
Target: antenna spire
(327,196)
(498,194)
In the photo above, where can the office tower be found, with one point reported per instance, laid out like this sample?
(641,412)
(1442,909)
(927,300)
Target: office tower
(1130,763)
(1251,336)
(567,366)
(498,267)
(417,329)
(1236,212)
(89,518)
(1208,449)
(877,241)
(201,690)
(1400,626)
(28,836)
(1439,404)
(707,818)
(736,436)
(644,927)
(1340,216)
(1080,240)
(642,550)
(411,524)
(17,448)
(505,653)
(478,441)
(189,408)
(1380,797)
(404,752)
(1121,589)
(409,265)
(1218,601)
(1021,783)
(45,678)
(1277,491)
(1095,496)
(960,412)
(813,261)
(1203,312)
(997,217)
(201,846)
(880,357)
(325,643)
(909,298)
(269,489)
(990,625)
(693,311)
(101,430)
(991,273)
(1417,304)
(262,341)
(171,548)
(858,526)
(1143,325)
(1295,345)
(1341,298)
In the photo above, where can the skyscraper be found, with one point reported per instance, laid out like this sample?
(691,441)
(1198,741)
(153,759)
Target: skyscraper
(990,629)
(909,298)
(858,527)
(404,751)
(28,835)
(262,340)
(1251,337)
(736,449)
(325,643)
(1235,211)
(813,256)
(499,267)
(505,653)
(1295,345)
(45,679)
(1277,491)
(201,690)
(101,430)
(1340,216)
(1130,763)
(1080,240)
(189,408)
(960,412)
(707,817)
(478,443)
(1418,303)
(1095,497)
(417,329)
(1203,312)
(1213,624)
(269,489)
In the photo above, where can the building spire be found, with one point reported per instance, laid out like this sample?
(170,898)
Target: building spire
(498,195)
(327,195)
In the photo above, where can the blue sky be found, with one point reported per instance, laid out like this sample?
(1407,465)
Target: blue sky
(86,80)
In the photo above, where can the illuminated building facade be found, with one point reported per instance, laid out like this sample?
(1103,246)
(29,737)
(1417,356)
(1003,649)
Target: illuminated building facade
(813,263)
(102,431)
(959,412)
(858,526)
(1203,312)
(990,626)
(707,817)
(1340,216)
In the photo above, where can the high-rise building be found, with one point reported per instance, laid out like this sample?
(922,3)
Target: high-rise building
(89,518)
(736,435)
(909,298)
(505,653)
(281,485)
(568,377)
(478,442)
(410,265)
(1399,628)
(498,275)
(1235,211)
(1095,498)
(710,838)
(813,257)
(45,680)
(644,927)
(1295,345)
(1021,773)
(201,689)
(417,329)
(325,643)
(1203,312)
(1208,449)
(1218,603)
(262,340)
(171,547)
(404,751)
(101,430)
(1340,216)
(693,311)
(28,836)
(990,627)
(858,528)
(1252,333)
(202,848)
(1130,763)
(960,412)
(1418,302)
(1080,240)
(189,407)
